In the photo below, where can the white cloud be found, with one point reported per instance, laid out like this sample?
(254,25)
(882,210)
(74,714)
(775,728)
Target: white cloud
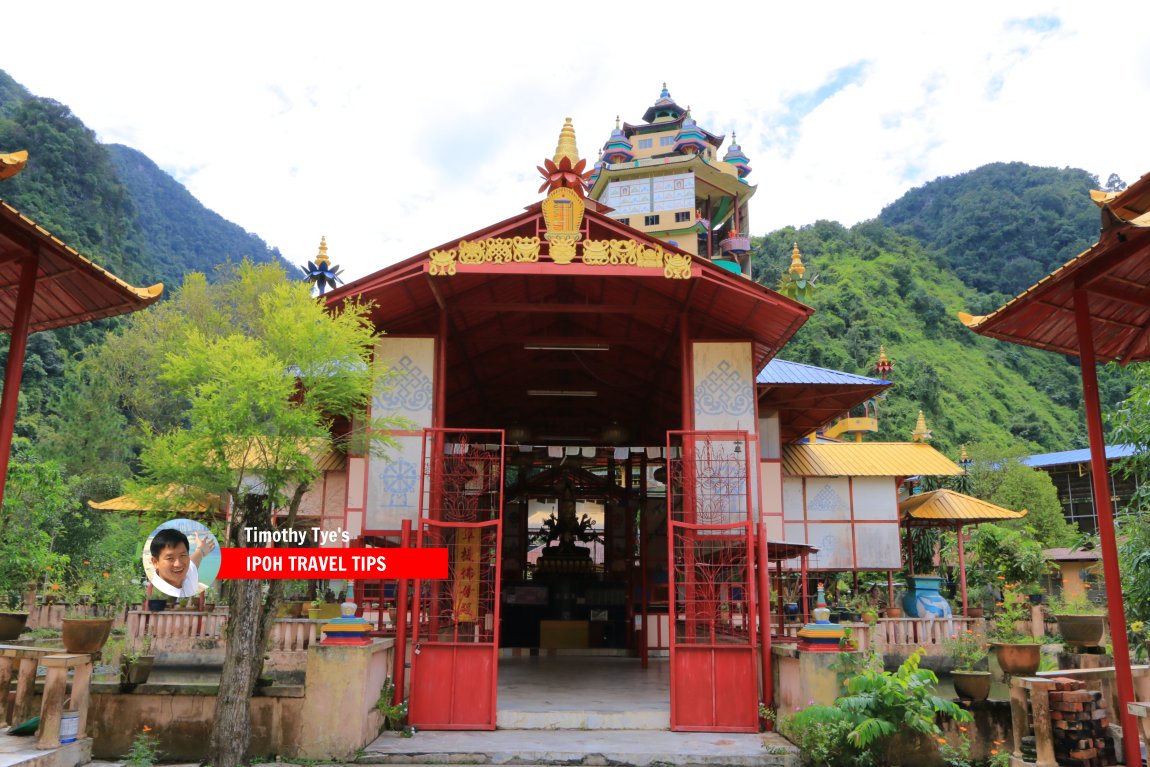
(394,128)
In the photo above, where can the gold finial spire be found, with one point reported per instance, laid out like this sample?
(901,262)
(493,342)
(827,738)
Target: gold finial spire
(797,268)
(322,259)
(963,457)
(11,164)
(882,354)
(921,433)
(566,147)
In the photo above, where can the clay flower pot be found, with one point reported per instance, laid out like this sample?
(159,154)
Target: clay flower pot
(12,625)
(1018,659)
(134,672)
(85,635)
(1082,630)
(971,685)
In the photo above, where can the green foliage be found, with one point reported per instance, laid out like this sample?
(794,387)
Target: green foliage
(144,751)
(879,287)
(1013,609)
(881,713)
(394,714)
(999,556)
(1001,227)
(37,503)
(1003,480)
(966,650)
(1132,427)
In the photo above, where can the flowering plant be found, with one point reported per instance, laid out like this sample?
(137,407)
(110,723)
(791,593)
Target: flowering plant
(967,650)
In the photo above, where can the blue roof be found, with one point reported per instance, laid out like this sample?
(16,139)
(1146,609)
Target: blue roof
(780,371)
(1113,453)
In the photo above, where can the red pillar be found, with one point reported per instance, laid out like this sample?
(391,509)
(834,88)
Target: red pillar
(1099,476)
(765,618)
(961,567)
(15,369)
(401,625)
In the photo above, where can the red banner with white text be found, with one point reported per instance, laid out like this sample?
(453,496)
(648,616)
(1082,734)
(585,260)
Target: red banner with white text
(356,564)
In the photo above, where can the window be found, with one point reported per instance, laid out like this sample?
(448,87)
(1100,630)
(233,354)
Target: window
(666,141)
(682,216)
(650,220)
(645,143)
(625,221)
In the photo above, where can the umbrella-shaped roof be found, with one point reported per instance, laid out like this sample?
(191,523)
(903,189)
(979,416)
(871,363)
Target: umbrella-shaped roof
(948,508)
(167,498)
(866,459)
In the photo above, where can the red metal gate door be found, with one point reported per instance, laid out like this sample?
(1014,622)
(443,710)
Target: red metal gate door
(714,684)
(455,643)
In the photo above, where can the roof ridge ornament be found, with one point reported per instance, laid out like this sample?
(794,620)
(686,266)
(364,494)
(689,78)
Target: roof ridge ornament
(921,433)
(11,164)
(565,170)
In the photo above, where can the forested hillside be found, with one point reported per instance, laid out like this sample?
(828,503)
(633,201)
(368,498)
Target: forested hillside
(115,206)
(966,243)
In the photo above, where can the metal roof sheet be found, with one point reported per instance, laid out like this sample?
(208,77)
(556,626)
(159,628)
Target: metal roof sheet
(865,459)
(951,506)
(780,371)
(1113,453)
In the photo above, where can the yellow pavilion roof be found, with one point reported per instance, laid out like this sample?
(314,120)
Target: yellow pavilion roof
(951,506)
(865,459)
(169,498)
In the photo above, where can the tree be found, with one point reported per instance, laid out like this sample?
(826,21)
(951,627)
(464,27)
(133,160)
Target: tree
(261,373)
(1132,426)
(37,502)
(1114,184)
(1006,481)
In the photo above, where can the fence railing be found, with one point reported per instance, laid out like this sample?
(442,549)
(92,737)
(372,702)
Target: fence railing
(52,616)
(891,634)
(172,630)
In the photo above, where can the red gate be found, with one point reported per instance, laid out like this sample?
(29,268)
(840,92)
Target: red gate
(455,645)
(714,685)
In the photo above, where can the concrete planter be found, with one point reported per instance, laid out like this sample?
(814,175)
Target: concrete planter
(134,672)
(1082,630)
(971,685)
(1018,659)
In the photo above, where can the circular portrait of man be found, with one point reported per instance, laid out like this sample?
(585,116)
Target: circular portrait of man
(181,558)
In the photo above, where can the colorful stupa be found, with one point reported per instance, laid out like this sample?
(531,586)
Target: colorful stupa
(822,635)
(664,177)
(347,629)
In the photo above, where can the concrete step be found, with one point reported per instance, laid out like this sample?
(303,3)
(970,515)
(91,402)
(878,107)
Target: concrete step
(639,719)
(22,752)
(593,747)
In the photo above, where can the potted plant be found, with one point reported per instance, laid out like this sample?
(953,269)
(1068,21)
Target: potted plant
(136,665)
(13,619)
(968,652)
(1018,654)
(313,610)
(1080,622)
(1033,593)
(975,599)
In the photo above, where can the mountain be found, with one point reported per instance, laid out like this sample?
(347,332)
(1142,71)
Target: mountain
(115,206)
(962,243)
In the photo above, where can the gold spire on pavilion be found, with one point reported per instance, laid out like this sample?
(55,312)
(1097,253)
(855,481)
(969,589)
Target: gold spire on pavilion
(12,163)
(963,456)
(566,147)
(797,269)
(921,433)
(322,258)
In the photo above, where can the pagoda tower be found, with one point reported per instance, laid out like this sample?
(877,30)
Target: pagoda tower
(665,177)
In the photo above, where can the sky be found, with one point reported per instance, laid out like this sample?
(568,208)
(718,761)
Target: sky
(391,128)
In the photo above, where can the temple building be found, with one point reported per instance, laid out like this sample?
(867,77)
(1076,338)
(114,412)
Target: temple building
(664,177)
(599,429)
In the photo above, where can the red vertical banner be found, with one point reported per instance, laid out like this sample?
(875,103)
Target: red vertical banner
(466,585)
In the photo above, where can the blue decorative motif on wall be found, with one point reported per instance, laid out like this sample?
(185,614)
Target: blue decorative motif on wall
(725,391)
(827,500)
(410,390)
(399,479)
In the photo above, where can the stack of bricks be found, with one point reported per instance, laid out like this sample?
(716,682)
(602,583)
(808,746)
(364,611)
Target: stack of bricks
(1080,724)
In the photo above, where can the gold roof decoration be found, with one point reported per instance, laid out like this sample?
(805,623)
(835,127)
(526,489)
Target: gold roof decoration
(566,147)
(322,258)
(12,163)
(963,456)
(797,269)
(921,433)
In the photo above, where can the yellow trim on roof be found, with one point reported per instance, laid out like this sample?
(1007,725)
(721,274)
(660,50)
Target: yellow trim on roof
(948,505)
(866,459)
